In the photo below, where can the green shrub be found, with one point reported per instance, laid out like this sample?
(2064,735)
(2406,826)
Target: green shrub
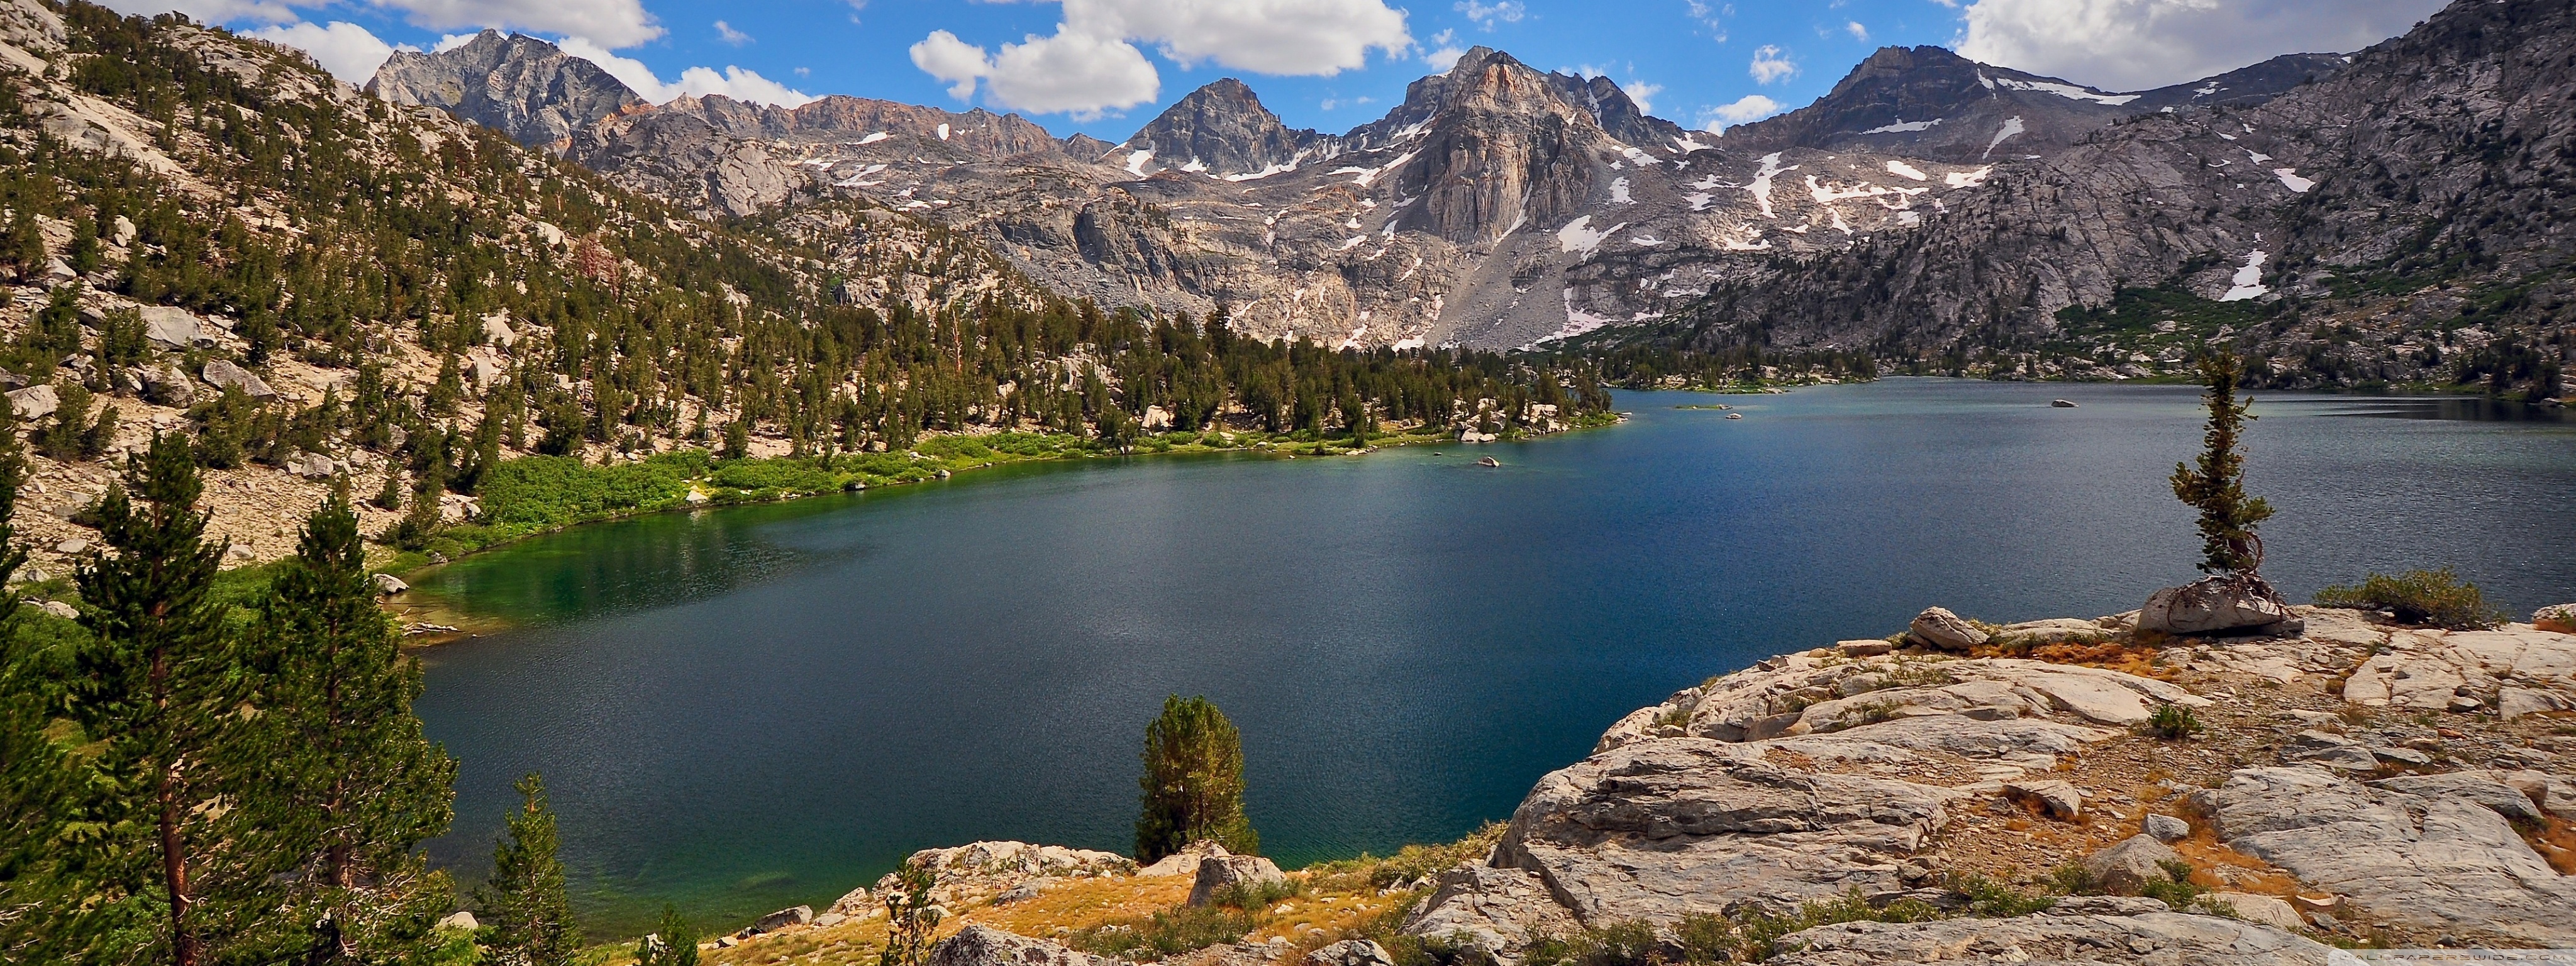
(2176,889)
(1256,896)
(1629,943)
(1995,900)
(2436,598)
(2173,722)
(1416,861)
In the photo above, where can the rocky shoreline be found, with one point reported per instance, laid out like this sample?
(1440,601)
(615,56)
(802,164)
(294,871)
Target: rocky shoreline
(2000,795)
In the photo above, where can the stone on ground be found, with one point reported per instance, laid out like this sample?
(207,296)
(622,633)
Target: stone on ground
(1937,627)
(2128,865)
(1220,872)
(2218,605)
(978,945)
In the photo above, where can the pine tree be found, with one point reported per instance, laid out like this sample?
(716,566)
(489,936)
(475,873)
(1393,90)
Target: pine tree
(360,785)
(673,943)
(524,903)
(2216,485)
(159,687)
(50,923)
(1193,782)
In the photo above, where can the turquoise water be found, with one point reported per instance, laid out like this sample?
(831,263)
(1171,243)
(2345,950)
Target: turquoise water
(745,709)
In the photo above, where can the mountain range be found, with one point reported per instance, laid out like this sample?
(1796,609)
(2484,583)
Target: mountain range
(1930,209)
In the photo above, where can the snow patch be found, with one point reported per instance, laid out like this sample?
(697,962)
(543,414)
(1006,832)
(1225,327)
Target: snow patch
(2248,280)
(874,137)
(2068,91)
(1195,166)
(1136,162)
(1578,236)
(2290,179)
(1686,144)
(2012,126)
(1761,186)
(1619,192)
(1903,126)
(943,132)
(1903,169)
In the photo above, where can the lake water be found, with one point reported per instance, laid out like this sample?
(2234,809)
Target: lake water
(746,709)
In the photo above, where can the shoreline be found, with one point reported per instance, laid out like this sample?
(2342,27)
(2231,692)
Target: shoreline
(450,624)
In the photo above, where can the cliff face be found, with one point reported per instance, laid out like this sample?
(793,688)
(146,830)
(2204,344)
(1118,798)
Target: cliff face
(1218,129)
(521,86)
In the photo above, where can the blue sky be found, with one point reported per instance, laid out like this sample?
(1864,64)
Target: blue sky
(1105,67)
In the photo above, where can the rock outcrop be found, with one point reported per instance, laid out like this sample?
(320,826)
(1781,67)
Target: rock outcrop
(521,86)
(1218,873)
(1843,773)
(2218,605)
(978,945)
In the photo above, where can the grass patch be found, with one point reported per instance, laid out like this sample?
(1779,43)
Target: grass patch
(1409,864)
(1171,932)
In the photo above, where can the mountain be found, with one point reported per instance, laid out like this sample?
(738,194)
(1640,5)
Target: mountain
(2400,222)
(1926,102)
(521,86)
(1221,129)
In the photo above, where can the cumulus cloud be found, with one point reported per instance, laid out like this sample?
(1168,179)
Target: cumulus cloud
(726,33)
(1858,32)
(1091,64)
(1487,15)
(1771,65)
(451,42)
(733,82)
(1643,93)
(616,23)
(1072,72)
(1750,107)
(2139,44)
(1444,51)
(347,50)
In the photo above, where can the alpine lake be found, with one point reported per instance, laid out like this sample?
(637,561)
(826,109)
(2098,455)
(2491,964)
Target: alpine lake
(744,709)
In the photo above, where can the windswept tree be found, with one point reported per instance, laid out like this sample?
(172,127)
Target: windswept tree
(2214,484)
(1193,782)
(160,688)
(527,916)
(356,784)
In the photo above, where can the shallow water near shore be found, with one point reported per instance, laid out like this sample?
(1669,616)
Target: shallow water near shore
(750,708)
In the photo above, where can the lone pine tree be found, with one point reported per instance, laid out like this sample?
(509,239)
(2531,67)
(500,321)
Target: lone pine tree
(1193,782)
(2214,484)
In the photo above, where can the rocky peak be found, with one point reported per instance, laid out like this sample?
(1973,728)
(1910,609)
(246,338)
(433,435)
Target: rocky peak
(524,87)
(1219,129)
(1497,146)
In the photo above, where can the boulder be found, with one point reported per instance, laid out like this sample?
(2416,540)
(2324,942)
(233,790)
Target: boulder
(1488,908)
(1937,627)
(1019,893)
(171,327)
(2128,865)
(2513,703)
(2153,937)
(1185,861)
(1351,952)
(2060,800)
(461,919)
(34,402)
(389,585)
(2431,852)
(56,608)
(2166,828)
(71,546)
(1863,648)
(166,385)
(2271,911)
(311,466)
(222,374)
(980,945)
(1220,872)
(2219,605)
(791,916)
(856,902)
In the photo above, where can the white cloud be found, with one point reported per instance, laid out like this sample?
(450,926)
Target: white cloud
(616,23)
(2137,44)
(347,50)
(452,41)
(1771,65)
(726,33)
(733,82)
(1750,107)
(1643,93)
(1091,63)
(1486,15)
(1444,51)
(1858,32)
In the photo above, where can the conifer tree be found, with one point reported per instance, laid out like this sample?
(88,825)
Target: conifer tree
(159,687)
(673,943)
(1193,782)
(528,916)
(360,786)
(50,923)
(2215,483)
